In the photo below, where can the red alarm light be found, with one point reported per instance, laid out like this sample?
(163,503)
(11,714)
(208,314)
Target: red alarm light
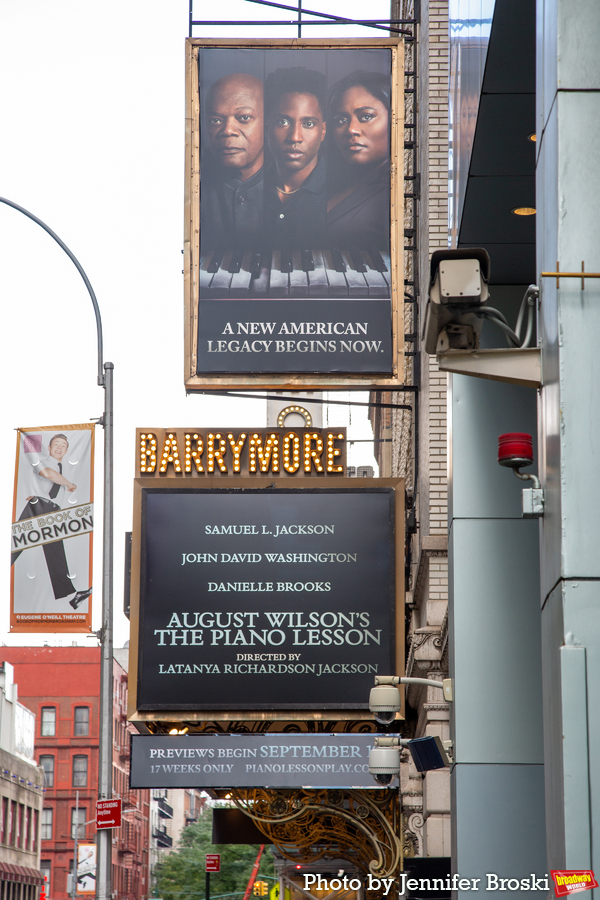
(515,449)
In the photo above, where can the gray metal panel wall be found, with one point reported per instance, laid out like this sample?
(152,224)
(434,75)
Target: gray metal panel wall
(568,231)
(505,802)
(495,640)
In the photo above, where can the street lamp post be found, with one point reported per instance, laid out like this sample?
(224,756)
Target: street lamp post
(105,380)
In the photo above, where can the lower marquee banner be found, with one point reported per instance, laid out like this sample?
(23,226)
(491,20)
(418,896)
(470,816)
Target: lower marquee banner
(249,760)
(52,528)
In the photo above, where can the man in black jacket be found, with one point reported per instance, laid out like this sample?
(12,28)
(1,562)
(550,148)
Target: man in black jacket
(231,188)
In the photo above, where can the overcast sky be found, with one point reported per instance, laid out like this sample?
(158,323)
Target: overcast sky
(92,112)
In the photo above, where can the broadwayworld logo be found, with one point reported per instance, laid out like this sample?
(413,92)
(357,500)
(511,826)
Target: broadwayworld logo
(570,881)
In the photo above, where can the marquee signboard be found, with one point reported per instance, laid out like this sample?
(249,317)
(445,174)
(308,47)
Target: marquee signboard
(293,216)
(255,593)
(251,760)
(192,453)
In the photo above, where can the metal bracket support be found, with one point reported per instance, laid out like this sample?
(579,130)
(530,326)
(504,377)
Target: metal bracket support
(513,366)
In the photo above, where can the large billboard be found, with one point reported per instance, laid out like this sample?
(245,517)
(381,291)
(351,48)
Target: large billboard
(51,530)
(294,232)
(259,596)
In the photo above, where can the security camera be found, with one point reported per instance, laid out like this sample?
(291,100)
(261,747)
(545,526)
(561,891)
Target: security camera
(384,764)
(384,703)
(458,291)
(384,780)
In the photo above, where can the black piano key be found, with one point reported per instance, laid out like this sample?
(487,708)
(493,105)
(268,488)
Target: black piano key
(357,260)
(338,261)
(287,262)
(235,262)
(216,261)
(308,263)
(377,260)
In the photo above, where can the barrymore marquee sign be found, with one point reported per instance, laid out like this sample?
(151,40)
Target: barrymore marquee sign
(262,593)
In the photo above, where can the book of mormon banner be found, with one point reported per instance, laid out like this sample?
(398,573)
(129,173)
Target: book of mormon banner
(51,530)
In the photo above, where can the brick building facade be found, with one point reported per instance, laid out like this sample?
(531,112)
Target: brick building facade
(413,444)
(21,796)
(61,685)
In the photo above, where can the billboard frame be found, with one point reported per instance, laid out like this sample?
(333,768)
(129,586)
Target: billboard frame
(191,259)
(155,718)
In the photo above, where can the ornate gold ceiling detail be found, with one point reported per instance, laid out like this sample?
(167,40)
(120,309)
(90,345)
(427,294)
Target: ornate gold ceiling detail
(283,725)
(363,827)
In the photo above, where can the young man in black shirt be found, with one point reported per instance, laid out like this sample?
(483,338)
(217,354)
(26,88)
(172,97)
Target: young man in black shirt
(295,200)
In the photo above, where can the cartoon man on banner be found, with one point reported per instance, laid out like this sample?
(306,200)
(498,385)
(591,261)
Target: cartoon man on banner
(51,486)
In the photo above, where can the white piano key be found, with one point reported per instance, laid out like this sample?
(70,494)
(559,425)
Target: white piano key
(378,286)
(357,286)
(337,282)
(298,279)
(387,275)
(204,276)
(260,284)
(318,285)
(279,286)
(240,281)
(222,279)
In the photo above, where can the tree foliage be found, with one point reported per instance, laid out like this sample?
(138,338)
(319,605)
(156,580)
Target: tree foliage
(181,874)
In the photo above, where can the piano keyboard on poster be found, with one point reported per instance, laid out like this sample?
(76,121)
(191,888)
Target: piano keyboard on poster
(294,273)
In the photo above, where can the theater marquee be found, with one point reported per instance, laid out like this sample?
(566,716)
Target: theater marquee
(257,590)
(293,214)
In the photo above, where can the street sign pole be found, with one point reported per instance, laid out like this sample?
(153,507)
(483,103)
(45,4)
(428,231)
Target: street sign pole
(108,814)
(105,380)
(104,874)
(76,848)
(212,864)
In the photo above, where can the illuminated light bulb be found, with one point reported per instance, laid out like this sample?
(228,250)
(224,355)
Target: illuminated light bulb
(217,448)
(193,458)
(313,456)
(267,457)
(291,440)
(333,451)
(236,449)
(294,408)
(147,454)
(170,453)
